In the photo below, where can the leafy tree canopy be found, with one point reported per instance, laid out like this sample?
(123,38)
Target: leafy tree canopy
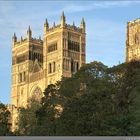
(4,120)
(97,100)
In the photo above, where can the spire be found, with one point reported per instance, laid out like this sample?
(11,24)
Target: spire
(46,26)
(63,14)
(83,20)
(14,38)
(14,35)
(39,37)
(73,23)
(29,33)
(29,29)
(54,24)
(83,25)
(46,23)
(21,38)
(63,19)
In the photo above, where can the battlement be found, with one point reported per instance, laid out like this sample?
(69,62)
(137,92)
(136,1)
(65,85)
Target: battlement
(35,40)
(28,38)
(20,41)
(64,25)
(73,27)
(67,26)
(54,27)
(134,22)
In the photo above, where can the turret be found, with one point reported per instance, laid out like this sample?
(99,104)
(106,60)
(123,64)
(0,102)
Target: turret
(73,23)
(21,39)
(39,37)
(14,39)
(54,24)
(63,20)
(46,26)
(29,33)
(83,25)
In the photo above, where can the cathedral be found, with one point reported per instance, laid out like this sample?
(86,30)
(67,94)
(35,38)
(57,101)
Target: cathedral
(37,63)
(133,40)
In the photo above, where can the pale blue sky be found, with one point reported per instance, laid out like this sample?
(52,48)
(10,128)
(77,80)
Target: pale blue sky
(105,27)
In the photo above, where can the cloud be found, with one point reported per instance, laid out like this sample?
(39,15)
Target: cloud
(6,7)
(72,8)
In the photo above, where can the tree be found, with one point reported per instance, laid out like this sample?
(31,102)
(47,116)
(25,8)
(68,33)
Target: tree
(108,106)
(96,101)
(90,110)
(83,98)
(27,120)
(50,110)
(4,120)
(127,100)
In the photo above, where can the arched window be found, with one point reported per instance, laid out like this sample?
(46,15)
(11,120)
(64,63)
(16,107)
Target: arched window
(53,66)
(21,94)
(77,67)
(29,55)
(20,77)
(50,67)
(24,76)
(72,66)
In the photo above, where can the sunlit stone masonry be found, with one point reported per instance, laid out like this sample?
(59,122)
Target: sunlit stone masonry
(133,40)
(36,63)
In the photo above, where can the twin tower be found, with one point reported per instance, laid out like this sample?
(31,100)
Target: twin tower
(133,40)
(37,63)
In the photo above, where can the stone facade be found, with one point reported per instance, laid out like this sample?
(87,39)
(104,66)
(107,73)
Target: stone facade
(133,40)
(37,63)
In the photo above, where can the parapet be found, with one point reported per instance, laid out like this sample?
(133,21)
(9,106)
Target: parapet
(134,22)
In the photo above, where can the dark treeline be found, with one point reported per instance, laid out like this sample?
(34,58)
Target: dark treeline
(96,101)
(5,121)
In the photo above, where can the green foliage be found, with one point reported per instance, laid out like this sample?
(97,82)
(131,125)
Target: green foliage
(27,120)
(48,113)
(4,121)
(126,98)
(90,111)
(96,101)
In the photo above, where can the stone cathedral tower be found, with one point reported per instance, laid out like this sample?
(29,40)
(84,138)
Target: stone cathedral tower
(133,40)
(64,50)
(37,63)
(27,70)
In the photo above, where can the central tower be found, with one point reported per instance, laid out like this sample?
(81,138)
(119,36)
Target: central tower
(64,49)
